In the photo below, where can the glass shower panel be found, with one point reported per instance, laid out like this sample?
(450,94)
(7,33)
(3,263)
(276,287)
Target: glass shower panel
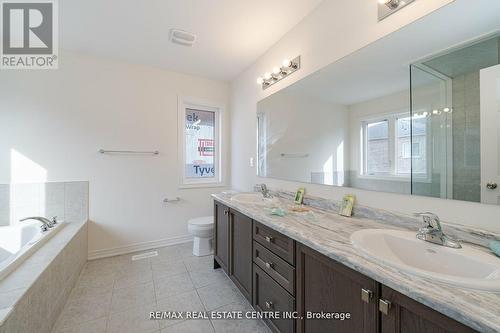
(431,144)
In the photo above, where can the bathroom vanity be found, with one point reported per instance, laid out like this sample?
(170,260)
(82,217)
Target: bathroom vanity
(289,264)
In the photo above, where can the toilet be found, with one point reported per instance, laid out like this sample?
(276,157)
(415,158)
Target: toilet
(202,228)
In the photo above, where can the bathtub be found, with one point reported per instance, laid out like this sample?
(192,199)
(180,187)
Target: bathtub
(18,242)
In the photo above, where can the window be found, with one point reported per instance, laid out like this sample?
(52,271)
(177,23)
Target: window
(200,144)
(403,145)
(407,150)
(388,148)
(378,160)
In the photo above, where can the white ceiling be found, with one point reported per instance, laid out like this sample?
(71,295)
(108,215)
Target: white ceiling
(231,34)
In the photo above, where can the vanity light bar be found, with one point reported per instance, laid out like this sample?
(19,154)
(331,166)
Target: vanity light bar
(388,7)
(279,73)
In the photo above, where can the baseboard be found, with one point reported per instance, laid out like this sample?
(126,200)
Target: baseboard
(97,254)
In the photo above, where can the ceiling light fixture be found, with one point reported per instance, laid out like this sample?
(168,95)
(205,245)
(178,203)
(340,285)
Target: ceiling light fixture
(279,73)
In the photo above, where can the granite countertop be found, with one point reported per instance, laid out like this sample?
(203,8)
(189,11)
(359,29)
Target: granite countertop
(329,234)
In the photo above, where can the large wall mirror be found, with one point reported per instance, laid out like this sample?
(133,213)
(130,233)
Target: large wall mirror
(416,112)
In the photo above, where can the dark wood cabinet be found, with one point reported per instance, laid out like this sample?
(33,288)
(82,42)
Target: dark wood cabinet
(221,241)
(269,296)
(324,285)
(240,249)
(404,315)
(278,243)
(278,274)
(281,271)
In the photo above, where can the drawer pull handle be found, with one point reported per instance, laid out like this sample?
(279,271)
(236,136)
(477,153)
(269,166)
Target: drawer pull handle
(384,306)
(366,295)
(269,265)
(269,305)
(269,239)
(226,211)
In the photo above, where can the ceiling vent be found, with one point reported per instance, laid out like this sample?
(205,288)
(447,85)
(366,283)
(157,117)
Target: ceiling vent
(182,37)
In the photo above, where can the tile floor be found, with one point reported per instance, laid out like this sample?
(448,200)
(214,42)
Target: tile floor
(115,295)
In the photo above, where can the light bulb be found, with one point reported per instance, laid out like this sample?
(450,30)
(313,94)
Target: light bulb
(267,76)
(286,63)
(446,110)
(425,114)
(260,80)
(435,111)
(276,70)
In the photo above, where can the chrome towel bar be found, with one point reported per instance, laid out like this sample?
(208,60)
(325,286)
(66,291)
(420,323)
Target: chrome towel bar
(294,155)
(103,151)
(166,200)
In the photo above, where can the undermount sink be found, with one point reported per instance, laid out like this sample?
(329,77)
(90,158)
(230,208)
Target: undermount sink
(249,198)
(466,267)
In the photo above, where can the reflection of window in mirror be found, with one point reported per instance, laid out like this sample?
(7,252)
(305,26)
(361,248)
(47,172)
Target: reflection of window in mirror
(378,147)
(388,148)
(262,144)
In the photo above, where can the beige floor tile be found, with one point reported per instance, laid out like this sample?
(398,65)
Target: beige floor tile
(199,263)
(115,285)
(133,320)
(96,280)
(190,326)
(202,278)
(185,250)
(132,278)
(101,266)
(89,292)
(168,268)
(83,310)
(134,296)
(93,326)
(239,325)
(219,294)
(188,301)
(128,266)
(172,285)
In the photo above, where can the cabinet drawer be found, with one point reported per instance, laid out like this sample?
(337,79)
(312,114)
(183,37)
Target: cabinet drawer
(276,267)
(275,241)
(269,296)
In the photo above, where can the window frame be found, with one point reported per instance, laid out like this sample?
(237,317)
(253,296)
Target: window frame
(391,118)
(202,105)
(365,123)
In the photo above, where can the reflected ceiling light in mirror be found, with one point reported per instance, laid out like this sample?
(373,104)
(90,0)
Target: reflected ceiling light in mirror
(279,73)
(388,7)
(435,112)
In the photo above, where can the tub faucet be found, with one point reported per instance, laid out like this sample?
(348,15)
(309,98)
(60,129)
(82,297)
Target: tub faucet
(46,223)
(433,231)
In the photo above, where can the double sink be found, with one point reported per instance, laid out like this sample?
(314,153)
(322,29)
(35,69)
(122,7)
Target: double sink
(467,267)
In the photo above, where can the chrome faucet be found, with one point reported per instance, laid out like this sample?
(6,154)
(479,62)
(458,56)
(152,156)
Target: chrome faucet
(46,223)
(264,190)
(433,232)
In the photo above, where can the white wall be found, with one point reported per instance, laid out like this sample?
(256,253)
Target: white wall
(301,124)
(58,120)
(335,29)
